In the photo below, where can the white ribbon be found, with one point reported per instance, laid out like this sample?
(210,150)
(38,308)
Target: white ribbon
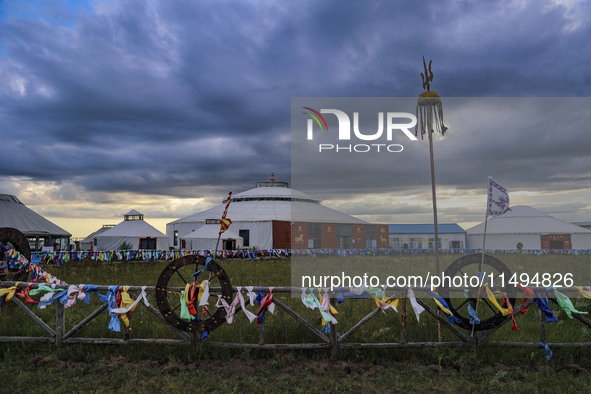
(72,297)
(142,297)
(413,302)
(205,295)
(251,294)
(251,316)
(230,309)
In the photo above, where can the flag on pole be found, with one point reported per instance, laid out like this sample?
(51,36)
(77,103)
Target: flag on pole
(498,199)
(225,222)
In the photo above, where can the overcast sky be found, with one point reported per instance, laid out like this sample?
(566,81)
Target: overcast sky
(164,106)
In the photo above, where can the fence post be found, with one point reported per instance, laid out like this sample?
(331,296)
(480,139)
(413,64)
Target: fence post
(542,327)
(60,324)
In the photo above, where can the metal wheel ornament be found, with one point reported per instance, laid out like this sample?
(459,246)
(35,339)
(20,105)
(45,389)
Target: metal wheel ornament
(17,240)
(174,278)
(458,301)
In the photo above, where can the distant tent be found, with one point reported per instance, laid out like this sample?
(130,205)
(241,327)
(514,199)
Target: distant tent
(40,231)
(88,242)
(524,227)
(206,237)
(134,232)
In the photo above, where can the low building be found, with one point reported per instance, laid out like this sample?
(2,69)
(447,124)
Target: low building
(420,236)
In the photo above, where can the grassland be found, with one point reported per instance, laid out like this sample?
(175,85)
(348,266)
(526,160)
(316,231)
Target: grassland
(30,367)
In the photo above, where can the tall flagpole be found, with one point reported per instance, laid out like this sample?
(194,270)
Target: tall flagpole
(430,119)
(481,265)
(497,203)
(434,196)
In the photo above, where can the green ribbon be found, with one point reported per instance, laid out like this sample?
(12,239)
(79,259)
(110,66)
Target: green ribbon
(42,288)
(184,309)
(566,304)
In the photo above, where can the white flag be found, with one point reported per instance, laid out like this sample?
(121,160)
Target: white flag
(498,199)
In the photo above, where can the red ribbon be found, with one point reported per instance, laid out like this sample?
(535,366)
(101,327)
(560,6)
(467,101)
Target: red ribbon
(528,293)
(25,294)
(265,302)
(508,303)
(192,299)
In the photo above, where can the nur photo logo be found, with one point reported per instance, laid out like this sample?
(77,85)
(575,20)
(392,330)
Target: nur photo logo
(389,124)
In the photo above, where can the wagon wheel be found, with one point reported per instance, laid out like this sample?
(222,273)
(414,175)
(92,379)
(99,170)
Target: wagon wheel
(459,299)
(15,239)
(174,278)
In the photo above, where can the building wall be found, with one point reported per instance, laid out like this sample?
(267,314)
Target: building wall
(357,236)
(505,241)
(581,241)
(299,235)
(329,235)
(281,235)
(284,235)
(421,241)
(529,241)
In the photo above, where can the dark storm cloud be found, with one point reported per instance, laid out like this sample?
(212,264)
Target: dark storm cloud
(182,98)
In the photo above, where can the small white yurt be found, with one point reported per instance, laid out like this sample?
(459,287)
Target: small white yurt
(206,237)
(133,231)
(524,227)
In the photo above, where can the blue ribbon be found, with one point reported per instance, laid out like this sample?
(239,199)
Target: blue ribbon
(114,324)
(452,319)
(260,296)
(205,268)
(57,296)
(93,288)
(548,351)
(473,316)
(543,306)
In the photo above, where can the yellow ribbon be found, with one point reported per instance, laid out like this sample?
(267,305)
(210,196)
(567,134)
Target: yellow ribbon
(444,309)
(186,293)
(583,292)
(386,300)
(492,298)
(9,292)
(126,301)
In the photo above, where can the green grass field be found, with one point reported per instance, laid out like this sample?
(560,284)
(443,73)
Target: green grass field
(158,368)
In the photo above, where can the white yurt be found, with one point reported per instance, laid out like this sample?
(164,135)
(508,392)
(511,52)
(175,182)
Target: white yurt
(134,232)
(524,227)
(206,238)
(262,216)
(88,242)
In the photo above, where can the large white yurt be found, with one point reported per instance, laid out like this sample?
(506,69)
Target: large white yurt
(524,227)
(134,232)
(40,232)
(266,216)
(206,238)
